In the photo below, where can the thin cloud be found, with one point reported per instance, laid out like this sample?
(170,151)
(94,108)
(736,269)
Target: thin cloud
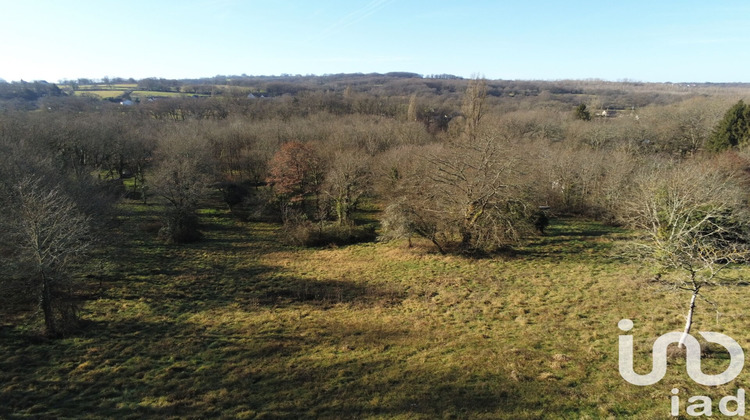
(355,17)
(366,59)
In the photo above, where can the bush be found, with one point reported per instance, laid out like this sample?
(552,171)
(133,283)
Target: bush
(540,221)
(180,227)
(233,194)
(260,205)
(314,235)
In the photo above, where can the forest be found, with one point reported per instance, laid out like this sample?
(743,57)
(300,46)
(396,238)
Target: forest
(364,245)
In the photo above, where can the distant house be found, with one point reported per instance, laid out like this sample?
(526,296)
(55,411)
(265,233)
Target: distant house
(251,96)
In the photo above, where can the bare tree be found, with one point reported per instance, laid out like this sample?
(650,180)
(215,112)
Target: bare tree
(684,128)
(406,217)
(473,107)
(577,179)
(468,192)
(695,226)
(182,177)
(49,234)
(476,183)
(401,174)
(346,182)
(411,111)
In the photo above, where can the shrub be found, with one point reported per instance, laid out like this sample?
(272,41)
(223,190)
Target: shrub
(315,235)
(180,227)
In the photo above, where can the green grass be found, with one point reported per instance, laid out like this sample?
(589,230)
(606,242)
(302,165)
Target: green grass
(239,326)
(141,94)
(149,93)
(115,86)
(104,94)
(105,91)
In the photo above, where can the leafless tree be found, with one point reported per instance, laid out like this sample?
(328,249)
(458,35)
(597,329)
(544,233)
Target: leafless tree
(473,107)
(49,234)
(411,111)
(683,128)
(579,180)
(182,177)
(468,193)
(400,176)
(347,180)
(695,225)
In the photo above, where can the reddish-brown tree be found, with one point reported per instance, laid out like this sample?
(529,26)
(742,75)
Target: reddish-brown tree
(295,171)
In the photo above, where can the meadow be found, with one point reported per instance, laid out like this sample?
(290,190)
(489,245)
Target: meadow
(119,90)
(240,326)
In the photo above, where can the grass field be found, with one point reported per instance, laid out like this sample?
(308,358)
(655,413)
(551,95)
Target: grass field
(104,94)
(140,94)
(114,86)
(239,326)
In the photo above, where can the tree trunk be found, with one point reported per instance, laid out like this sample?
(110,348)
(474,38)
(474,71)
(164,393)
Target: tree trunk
(689,319)
(437,244)
(45,301)
(340,211)
(466,238)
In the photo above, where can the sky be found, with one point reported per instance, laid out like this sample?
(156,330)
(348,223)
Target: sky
(636,40)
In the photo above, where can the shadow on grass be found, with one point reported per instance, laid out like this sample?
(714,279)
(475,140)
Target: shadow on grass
(156,352)
(571,239)
(386,388)
(262,287)
(132,369)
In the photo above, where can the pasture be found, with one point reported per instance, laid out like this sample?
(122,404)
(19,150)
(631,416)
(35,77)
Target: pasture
(240,326)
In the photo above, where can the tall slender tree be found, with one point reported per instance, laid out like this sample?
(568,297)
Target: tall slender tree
(473,107)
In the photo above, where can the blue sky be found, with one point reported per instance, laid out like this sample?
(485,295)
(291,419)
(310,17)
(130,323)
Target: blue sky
(653,41)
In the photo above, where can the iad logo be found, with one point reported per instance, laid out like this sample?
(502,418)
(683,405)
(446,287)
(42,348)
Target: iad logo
(693,361)
(693,365)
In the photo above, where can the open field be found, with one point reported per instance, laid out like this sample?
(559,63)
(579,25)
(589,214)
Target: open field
(104,94)
(238,326)
(114,86)
(141,94)
(105,91)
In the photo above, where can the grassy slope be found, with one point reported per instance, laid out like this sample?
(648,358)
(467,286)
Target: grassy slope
(240,326)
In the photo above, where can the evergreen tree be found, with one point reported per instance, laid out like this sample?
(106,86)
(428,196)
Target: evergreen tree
(733,130)
(582,113)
